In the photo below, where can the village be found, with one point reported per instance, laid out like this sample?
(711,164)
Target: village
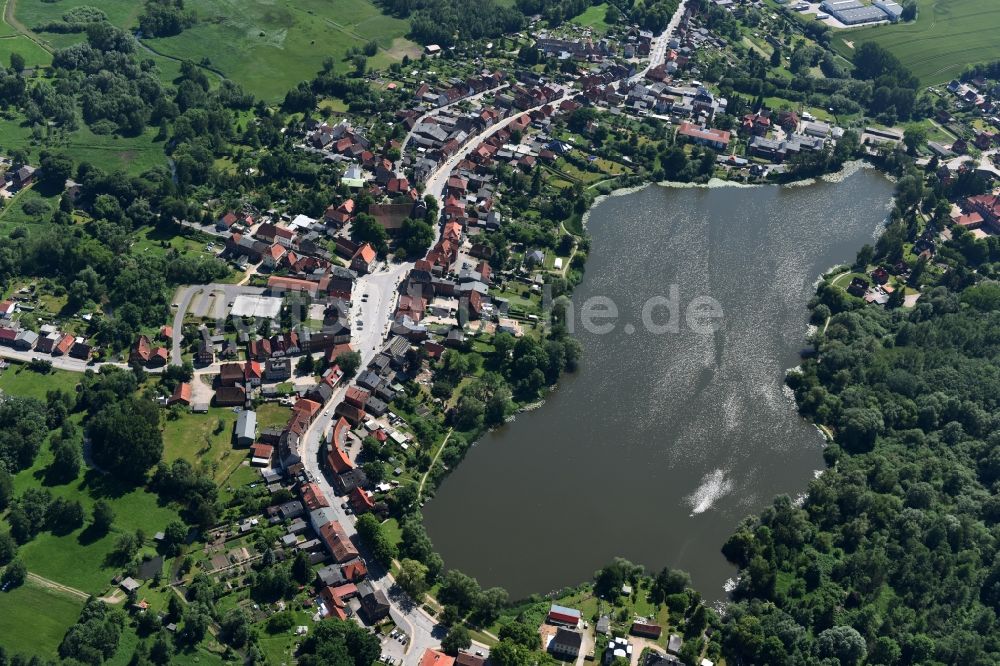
(326,346)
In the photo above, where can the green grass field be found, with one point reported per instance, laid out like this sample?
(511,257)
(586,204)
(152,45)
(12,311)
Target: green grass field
(272,415)
(131,154)
(593,17)
(18,380)
(198,438)
(33,13)
(6,30)
(947,36)
(34,55)
(14,215)
(271,46)
(78,559)
(33,620)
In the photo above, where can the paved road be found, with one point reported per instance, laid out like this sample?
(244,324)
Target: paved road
(374,313)
(658,48)
(58,362)
(62,362)
(418,625)
(436,183)
(435,110)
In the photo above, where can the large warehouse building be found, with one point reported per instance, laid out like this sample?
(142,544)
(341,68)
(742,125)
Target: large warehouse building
(852,12)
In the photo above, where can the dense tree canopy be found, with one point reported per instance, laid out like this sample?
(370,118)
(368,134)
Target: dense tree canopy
(909,512)
(126,438)
(22,431)
(336,643)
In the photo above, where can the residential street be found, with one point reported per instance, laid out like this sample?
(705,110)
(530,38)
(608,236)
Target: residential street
(658,49)
(438,109)
(58,362)
(375,316)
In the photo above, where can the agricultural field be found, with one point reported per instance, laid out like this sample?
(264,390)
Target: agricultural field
(270,46)
(947,36)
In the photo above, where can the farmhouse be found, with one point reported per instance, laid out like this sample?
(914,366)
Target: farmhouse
(566,644)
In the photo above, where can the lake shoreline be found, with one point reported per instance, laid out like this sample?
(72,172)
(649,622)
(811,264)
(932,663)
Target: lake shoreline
(716,485)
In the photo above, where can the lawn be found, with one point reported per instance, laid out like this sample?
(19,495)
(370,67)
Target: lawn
(593,18)
(13,214)
(280,648)
(776,103)
(33,620)
(158,242)
(199,439)
(947,36)
(271,46)
(129,640)
(272,415)
(393,532)
(17,379)
(34,55)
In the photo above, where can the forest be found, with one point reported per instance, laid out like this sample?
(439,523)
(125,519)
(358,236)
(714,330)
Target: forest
(892,557)
(447,22)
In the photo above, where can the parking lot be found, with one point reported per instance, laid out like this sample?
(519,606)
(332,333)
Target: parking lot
(394,647)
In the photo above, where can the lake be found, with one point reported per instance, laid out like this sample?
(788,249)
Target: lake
(662,442)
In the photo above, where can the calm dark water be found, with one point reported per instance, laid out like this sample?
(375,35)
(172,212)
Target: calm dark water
(660,444)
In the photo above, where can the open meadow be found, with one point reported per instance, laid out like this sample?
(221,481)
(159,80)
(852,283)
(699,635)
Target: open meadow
(593,18)
(947,36)
(110,152)
(34,618)
(266,46)
(270,46)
